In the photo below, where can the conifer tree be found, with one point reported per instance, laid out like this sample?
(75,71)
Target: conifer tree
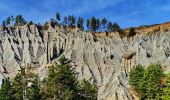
(34,92)
(4,23)
(80,23)
(65,22)
(97,24)
(131,32)
(115,27)
(88,24)
(93,24)
(62,84)
(71,21)
(19,20)
(8,20)
(109,27)
(104,23)
(149,86)
(58,16)
(5,90)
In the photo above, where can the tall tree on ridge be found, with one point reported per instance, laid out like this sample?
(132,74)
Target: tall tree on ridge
(71,21)
(88,24)
(65,22)
(80,23)
(58,17)
(104,23)
(93,24)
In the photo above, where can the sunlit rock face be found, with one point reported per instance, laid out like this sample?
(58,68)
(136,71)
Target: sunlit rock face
(105,61)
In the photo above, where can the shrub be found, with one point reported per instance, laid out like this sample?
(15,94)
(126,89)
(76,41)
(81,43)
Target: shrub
(136,75)
(131,32)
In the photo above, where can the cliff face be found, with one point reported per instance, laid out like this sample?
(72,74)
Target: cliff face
(105,61)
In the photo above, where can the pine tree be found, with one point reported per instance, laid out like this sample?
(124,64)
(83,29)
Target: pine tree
(109,27)
(87,91)
(31,23)
(104,23)
(17,88)
(116,28)
(5,91)
(4,23)
(93,24)
(34,92)
(80,23)
(88,24)
(136,75)
(58,16)
(8,20)
(62,84)
(131,32)
(65,22)
(149,87)
(71,21)
(19,20)
(97,24)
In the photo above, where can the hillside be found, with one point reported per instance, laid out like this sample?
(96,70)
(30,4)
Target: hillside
(106,61)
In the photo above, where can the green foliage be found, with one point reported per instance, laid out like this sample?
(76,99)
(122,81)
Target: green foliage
(20,90)
(33,91)
(4,23)
(135,76)
(104,23)
(19,20)
(87,91)
(31,23)
(151,81)
(8,20)
(58,16)
(166,88)
(65,22)
(5,92)
(63,60)
(88,24)
(109,27)
(17,88)
(131,32)
(93,24)
(71,21)
(116,28)
(62,83)
(80,23)
(147,82)
(46,26)
(97,24)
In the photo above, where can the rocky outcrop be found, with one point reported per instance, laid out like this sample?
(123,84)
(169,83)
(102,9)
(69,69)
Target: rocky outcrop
(105,61)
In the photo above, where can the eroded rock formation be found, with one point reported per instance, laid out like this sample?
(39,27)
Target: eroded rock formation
(105,61)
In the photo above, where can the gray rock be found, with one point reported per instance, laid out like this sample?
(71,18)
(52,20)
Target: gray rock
(103,61)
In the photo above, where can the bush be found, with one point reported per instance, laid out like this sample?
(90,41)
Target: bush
(62,83)
(131,32)
(151,81)
(147,82)
(136,75)
(166,88)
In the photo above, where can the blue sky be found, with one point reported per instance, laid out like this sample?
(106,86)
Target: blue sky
(125,12)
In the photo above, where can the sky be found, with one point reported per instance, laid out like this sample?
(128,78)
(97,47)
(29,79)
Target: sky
(127,13)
